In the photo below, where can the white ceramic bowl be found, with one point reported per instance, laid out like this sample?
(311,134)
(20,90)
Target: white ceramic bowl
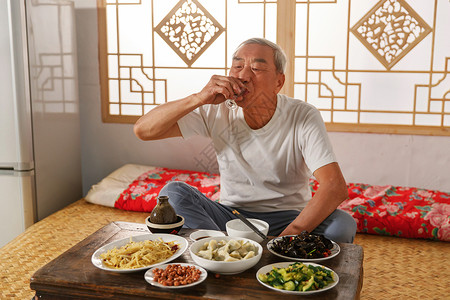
(237,228)
(224,267)
(204,233)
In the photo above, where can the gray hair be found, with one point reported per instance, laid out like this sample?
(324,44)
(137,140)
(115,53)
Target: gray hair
(279,56)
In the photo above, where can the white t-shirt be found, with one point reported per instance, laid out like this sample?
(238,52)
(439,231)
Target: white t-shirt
(269,168)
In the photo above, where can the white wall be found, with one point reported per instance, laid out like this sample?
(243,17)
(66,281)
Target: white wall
(405,160)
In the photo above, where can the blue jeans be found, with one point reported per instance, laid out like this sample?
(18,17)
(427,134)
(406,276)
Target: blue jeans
(201,212)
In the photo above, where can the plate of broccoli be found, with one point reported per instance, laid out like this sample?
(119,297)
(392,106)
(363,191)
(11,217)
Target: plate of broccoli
(297,278)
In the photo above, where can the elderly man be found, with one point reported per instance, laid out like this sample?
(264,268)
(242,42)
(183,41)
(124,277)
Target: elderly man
(266,150)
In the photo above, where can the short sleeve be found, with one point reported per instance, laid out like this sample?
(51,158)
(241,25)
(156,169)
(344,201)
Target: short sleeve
(193,124)
(315,143)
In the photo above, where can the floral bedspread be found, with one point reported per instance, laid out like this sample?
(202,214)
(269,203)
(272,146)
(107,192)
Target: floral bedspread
(141,194)
(383,210)
(398,211)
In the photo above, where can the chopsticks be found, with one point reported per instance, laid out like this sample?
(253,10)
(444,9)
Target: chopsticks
(247,222)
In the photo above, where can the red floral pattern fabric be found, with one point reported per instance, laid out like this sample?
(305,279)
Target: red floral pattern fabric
(382,210)
(141,194)
(398,211)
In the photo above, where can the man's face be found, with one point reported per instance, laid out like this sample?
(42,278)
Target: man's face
(254,65)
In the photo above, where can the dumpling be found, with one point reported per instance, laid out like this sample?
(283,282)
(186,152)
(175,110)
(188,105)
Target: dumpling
(233,245)
(249,246)
(232,250)
(213,244)
(223,252)
(242,251)
(206,254)
(250,254)
(222,243)
(228,257)
(236,254)
(205,246)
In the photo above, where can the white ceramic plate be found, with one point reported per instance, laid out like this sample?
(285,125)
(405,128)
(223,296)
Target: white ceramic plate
(334,251)
(204,233)
(181,241)
(268,268)
(150,278)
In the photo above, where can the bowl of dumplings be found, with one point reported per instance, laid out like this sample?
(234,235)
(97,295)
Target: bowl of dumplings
(226,255)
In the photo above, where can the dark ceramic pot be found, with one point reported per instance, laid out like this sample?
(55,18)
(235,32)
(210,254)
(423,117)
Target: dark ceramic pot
(163,212)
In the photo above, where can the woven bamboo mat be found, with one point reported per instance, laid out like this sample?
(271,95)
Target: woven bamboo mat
(394,268)
(398,268)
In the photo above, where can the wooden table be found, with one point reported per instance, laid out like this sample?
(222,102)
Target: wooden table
(73,276)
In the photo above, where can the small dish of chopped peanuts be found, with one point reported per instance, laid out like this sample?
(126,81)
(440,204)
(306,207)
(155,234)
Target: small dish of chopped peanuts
(175,275)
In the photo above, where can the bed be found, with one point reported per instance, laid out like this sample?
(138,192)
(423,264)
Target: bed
(382,210)
(404,231)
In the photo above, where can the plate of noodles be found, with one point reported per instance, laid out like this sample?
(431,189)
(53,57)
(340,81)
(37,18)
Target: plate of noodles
(138,253)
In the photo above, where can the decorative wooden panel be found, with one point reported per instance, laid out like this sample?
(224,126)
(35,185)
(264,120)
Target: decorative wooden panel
(368,66)
(189,29)
(154,51)
(52,59)
(375,66)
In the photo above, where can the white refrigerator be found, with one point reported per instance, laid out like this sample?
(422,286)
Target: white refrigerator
(40,160)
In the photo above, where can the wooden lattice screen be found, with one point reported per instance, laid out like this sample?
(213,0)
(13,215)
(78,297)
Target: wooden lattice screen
(368,66)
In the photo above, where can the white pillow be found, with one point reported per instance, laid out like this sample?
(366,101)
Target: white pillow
(109,188)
